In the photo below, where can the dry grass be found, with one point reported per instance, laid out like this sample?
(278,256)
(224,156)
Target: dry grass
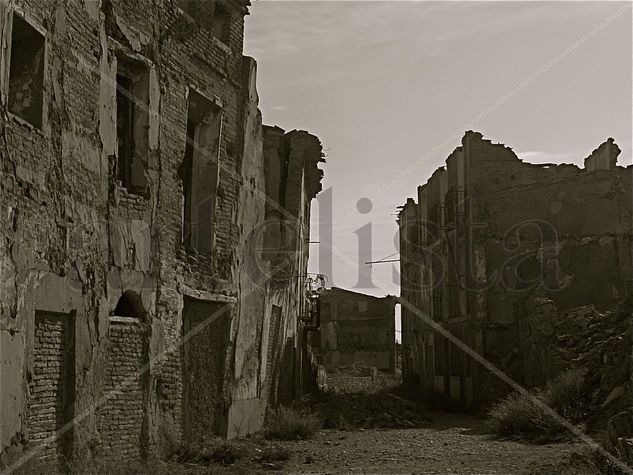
(288,423)
(526,416)
(224,454)
(595,462)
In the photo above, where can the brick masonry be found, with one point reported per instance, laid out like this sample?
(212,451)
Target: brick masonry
(486,235)
(121,417)
(205,331)
(356,328)
(73,240)
(273,353)
(49,400)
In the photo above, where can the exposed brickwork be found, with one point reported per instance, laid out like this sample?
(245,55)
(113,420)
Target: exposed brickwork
(274,337)
(84,240)
(205,329)
(121,417)
(361,384)
(487,234)
(50,394)
(356,328)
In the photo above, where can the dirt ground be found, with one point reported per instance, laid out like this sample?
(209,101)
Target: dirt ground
(451,444)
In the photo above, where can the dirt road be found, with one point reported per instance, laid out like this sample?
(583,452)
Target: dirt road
(454,444)
(451,444)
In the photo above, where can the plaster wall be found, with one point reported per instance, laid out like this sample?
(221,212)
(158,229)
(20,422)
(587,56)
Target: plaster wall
(74,240)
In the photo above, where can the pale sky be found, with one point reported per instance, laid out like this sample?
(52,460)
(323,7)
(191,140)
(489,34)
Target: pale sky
(390,87)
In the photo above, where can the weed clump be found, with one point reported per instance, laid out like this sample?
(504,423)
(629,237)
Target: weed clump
(288,423)
(529,415)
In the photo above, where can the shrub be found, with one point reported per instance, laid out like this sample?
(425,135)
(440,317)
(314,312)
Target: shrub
(204,454)
(226,454)
(527,416)
(288,423)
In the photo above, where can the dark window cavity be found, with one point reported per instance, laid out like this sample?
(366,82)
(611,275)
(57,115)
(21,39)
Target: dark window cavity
(222,23)
(132,119)
(26,74)
(200,172)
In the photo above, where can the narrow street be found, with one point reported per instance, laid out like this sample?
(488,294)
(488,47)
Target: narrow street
(291,237)
(450,444)
(453,444)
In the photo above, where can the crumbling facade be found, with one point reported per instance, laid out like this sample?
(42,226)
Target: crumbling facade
(490,235)
(140,305)
(356,328)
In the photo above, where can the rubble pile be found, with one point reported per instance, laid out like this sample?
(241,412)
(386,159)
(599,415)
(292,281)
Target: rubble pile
(356,369)
(364,411)
(599,342)
(357,378)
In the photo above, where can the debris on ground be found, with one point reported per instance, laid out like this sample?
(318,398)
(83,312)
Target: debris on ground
(356,378)
(207,454)
(356,369)
(600,343)
(349,411)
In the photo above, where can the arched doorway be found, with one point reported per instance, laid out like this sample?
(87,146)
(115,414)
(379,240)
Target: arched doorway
(121,419)
(130,305)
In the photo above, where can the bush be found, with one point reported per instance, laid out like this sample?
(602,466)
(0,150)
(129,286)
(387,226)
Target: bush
(226,454)
(288,423)
(527,416)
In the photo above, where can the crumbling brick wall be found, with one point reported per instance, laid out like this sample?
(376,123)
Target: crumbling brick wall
(51,389)
(122,416)
(75,238)
(488,234)
(356,328)
(204,354)
(293,179)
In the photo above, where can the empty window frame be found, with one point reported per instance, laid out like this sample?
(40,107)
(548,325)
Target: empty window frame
(26,72)
(222,23)
(200,172)
(132,121)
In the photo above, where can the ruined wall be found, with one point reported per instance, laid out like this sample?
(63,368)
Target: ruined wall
(565,235)
(121,418)
(504,232)
(52,386)
(356,328)
(415,309)
(293,179)
(77,241)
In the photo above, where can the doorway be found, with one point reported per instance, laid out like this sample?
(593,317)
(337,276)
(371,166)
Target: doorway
(206,327)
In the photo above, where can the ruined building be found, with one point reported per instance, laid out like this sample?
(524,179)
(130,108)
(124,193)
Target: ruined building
(487,238)
(153,245)
(356,328)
